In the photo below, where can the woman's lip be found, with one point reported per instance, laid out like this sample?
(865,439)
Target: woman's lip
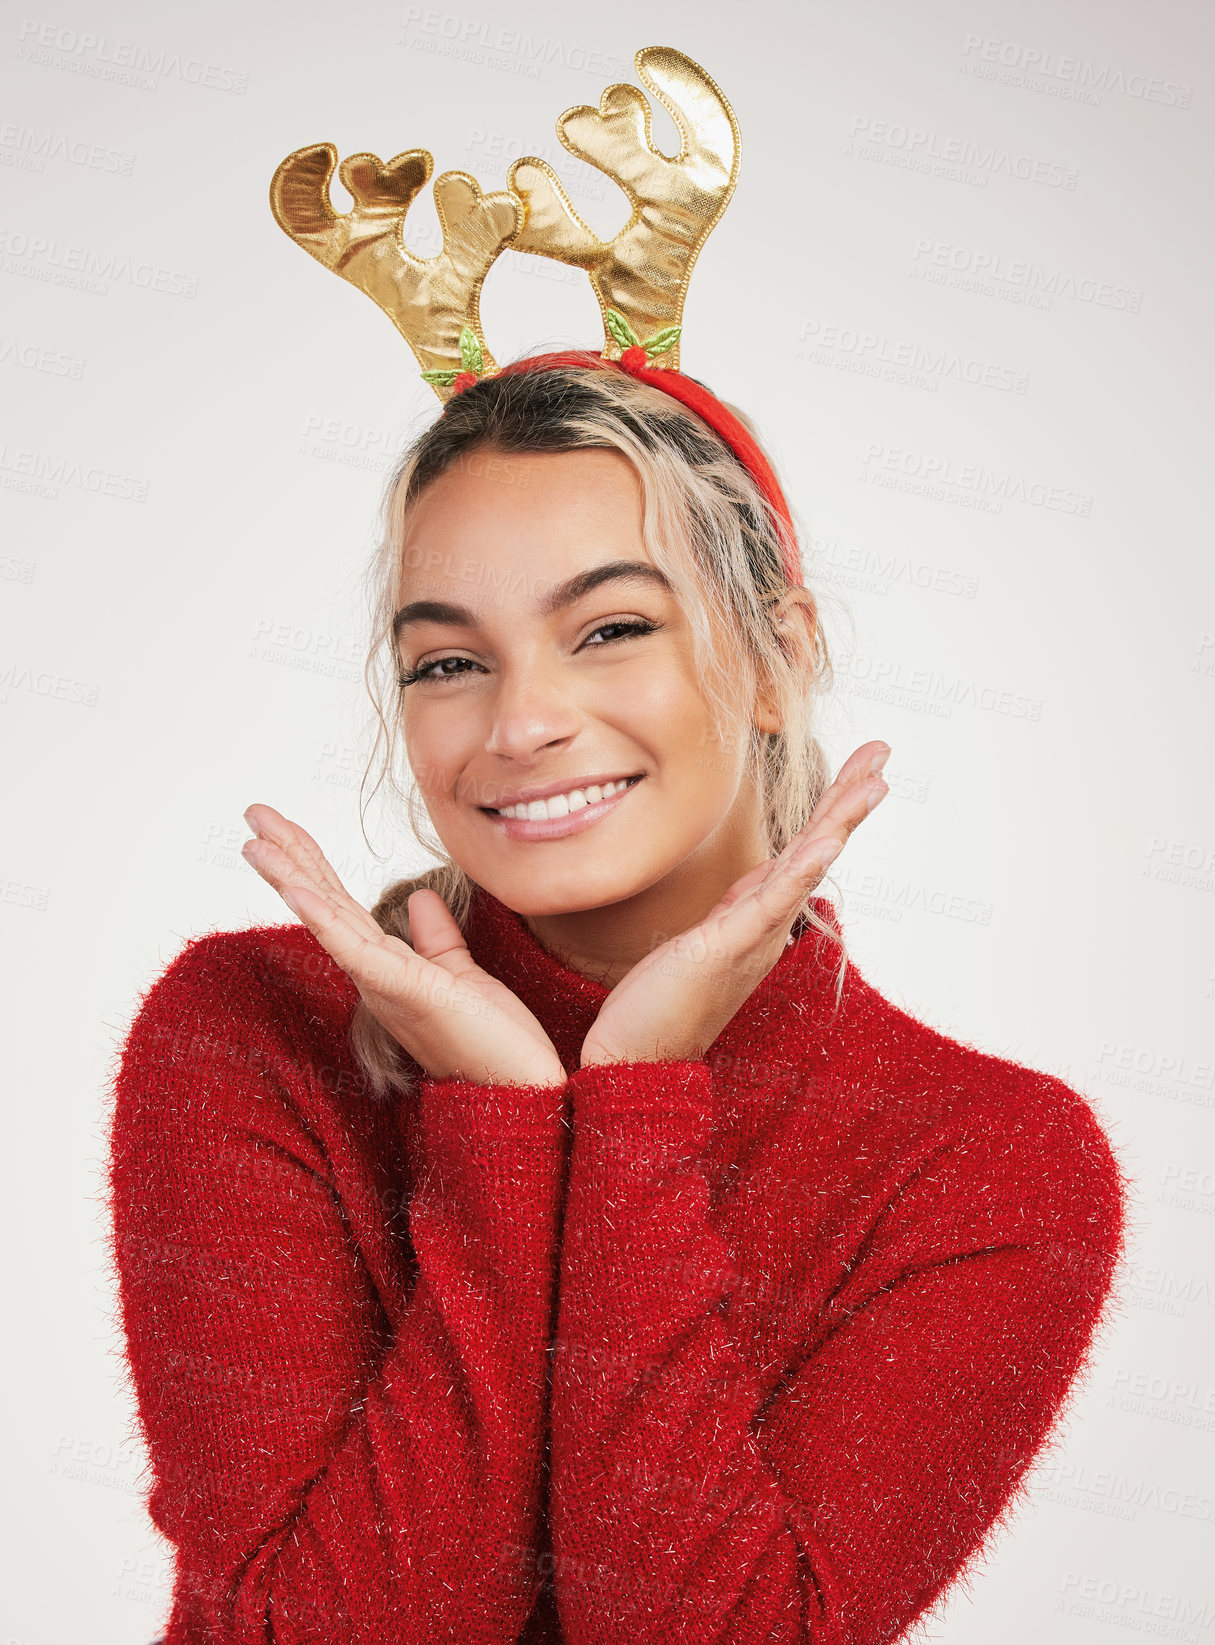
(549,791)
(555,828)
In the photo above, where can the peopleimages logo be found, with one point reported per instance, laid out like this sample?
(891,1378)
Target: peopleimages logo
(960,263)
(47,475)
(85,268)
(464,36)
(28,148)
(1080,72)
(943,473)
(923,365)
(128,62)
(966,152)
(33,357)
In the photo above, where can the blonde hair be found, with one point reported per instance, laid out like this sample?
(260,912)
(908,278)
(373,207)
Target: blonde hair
(706,524)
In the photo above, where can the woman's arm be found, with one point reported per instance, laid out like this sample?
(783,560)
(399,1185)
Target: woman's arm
(333,1464)
(830,1497)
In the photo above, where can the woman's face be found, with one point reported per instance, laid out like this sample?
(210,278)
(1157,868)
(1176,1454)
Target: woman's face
(540,670)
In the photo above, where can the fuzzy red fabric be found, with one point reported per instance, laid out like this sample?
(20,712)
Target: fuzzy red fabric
(752,1349)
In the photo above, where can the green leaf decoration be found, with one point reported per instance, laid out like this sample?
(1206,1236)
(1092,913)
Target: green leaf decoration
(471,357)
(622,332)
(444,378)
(662,340)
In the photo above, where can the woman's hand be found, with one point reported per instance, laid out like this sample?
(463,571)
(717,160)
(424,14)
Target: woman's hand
(452,1017)
(676,1001)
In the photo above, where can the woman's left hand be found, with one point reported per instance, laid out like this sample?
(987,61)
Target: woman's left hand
(676,1001)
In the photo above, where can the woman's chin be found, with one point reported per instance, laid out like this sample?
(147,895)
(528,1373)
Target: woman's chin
(549,893)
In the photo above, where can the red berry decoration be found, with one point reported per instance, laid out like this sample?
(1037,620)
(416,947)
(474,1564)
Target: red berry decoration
(635,355)
(463,380)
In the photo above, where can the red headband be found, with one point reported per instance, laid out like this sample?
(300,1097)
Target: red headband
(698,399)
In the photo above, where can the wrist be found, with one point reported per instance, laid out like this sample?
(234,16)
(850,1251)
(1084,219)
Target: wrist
(644,1083)
(661,1056)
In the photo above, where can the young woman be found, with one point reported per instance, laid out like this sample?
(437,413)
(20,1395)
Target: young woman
(575,1246)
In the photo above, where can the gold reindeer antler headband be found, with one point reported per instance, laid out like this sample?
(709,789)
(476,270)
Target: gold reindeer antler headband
(639,277)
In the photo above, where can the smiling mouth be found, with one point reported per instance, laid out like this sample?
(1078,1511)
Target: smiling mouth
(540,830)
(585,802)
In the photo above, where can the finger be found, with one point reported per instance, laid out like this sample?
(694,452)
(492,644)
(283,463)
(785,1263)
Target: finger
(855,792)
(845,814)
(862,764)
(375,962)
(867,760)
(294,840)
(285,876)
(753,877)
(434,932)
(773,904)
(774,899)
(381,966)
(801,867)
(767,898)
(764,901)
(280,869)
(808,855)
(281,857)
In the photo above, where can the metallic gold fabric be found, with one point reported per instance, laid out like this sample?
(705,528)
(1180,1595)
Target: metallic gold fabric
(427,298)
(643,270)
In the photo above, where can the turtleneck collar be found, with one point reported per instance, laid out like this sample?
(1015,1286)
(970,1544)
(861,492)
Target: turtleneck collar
(798,993)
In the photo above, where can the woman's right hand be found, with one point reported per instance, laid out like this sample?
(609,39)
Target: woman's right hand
(452,1017)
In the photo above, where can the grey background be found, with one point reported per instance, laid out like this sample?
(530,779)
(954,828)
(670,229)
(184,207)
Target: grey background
(964,287)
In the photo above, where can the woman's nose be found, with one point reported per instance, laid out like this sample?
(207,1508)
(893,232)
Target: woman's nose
(532,707)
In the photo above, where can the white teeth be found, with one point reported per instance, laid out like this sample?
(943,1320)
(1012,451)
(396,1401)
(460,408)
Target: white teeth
(560,805)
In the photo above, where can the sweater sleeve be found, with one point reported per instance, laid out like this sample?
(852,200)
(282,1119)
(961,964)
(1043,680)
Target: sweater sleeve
(332,1463)
(700,1498)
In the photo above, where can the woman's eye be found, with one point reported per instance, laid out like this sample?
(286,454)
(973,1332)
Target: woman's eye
(427,671)
(430,670)
(627,626)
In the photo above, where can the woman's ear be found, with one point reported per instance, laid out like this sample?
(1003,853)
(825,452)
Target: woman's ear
(795,619)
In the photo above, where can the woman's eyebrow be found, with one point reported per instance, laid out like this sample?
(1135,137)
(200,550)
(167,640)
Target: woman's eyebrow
(557,599)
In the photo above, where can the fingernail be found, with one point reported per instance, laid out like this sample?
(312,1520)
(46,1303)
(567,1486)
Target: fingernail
(252,824)
(830,853)
(878,761)
(876,797)
(291,903)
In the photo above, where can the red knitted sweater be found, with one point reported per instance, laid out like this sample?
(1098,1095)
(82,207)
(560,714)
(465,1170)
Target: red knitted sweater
(753,1348)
